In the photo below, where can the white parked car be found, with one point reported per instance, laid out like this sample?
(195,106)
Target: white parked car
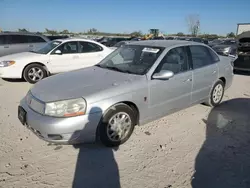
(55,57)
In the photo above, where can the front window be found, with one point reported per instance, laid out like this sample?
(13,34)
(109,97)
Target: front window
(176,60)
(133,59)
(48,47)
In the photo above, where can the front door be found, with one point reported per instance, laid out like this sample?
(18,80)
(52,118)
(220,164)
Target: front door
(68,60)
(205,72)
(170,95)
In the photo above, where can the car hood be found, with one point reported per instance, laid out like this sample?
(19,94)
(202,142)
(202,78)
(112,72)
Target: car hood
(81,83)
(20,56)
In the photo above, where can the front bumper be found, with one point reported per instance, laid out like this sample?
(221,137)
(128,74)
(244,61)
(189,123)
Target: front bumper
(9,72)
(80,129)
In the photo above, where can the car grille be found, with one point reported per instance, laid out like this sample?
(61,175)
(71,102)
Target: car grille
(35,104)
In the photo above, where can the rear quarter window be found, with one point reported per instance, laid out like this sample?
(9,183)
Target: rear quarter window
(214,56)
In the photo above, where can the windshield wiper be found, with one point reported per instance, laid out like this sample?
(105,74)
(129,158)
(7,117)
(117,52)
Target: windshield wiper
(119,70)
(113,68)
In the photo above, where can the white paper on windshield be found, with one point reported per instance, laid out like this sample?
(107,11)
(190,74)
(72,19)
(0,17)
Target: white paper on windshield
(151,50)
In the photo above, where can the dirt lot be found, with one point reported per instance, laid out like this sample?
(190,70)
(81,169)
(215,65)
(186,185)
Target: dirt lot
(197,147)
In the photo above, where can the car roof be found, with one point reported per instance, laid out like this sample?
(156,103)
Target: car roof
(165,43)
(22,33)
(75,39)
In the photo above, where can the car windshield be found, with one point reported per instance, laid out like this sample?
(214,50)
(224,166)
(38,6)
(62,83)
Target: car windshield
(132,59)
(48,47)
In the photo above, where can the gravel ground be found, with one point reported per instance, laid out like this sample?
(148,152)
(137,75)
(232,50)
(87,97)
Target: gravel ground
(197,147)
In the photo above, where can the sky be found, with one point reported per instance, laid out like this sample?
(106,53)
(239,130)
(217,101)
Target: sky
(123,16)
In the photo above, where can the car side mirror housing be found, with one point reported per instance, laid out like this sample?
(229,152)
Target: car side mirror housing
(163,75)
(58,52)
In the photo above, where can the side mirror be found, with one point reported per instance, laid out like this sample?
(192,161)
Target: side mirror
(58,52)
(163,75)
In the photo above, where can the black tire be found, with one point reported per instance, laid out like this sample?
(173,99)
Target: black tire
(29,69)
(211,101)
(103,126)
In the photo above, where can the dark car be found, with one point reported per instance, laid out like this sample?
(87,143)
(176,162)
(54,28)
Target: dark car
(121,43)
(196,39)
(205,41)
(243,52)
(182,38)
(111,41)
(215,42)
(225,48)
(54,37)
(158,38)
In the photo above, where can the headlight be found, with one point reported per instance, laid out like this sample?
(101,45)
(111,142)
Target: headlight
(226,49)
(66,108)
(6,63)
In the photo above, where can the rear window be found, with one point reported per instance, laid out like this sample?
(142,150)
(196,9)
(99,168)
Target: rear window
(17,39)
(3,39)
(35,39)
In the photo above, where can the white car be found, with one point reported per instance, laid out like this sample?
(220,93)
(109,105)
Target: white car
(55,57)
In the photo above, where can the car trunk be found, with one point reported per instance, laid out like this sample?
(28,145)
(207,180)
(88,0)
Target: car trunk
(244,44)
(243,52)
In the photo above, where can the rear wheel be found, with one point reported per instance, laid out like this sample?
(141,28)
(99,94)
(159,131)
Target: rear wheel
(216,94)
(34,73)
(117,125)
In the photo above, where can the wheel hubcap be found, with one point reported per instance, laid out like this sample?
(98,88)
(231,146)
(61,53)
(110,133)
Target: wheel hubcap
(217,93)
(35,74)
(119,126)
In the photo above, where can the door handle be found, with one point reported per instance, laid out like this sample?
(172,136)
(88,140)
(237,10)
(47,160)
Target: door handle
(188,80)
(30,45)
(6,46)
(214,72)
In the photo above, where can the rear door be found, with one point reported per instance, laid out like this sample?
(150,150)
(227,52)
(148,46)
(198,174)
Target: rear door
(16,43)
(171,95)
(90,54)
(205,72)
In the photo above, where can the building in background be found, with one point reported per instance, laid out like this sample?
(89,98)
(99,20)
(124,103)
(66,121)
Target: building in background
(242,27)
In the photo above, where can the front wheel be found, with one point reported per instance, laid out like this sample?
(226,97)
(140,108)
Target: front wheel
(34,73)
(117,125)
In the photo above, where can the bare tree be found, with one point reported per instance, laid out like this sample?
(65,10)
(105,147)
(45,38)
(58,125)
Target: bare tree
(193,23)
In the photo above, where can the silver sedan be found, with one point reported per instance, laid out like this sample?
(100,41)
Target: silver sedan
(137,83)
